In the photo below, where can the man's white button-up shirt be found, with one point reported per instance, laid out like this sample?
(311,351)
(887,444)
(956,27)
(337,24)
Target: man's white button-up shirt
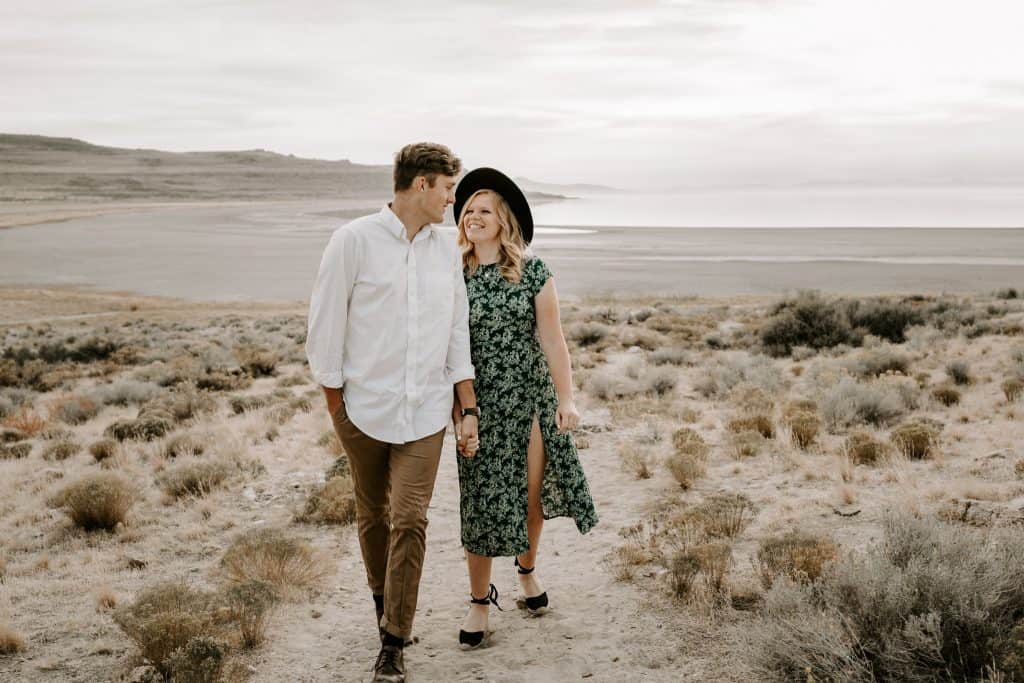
(389,324)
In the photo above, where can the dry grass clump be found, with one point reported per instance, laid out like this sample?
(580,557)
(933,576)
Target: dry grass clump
(751,399)
(257,361)
(104,449)
(195,477)
(862,448)
(251,603)
(850,403)
(720,515)
(915,440)
(166,617)
(641,548)
(96,501)
(26,421)
(146,428)
(803,428)
(760,423)
(931,602)
(735,368)
(332,503)
(15,451)
(708,561)
(669,355)
(635,461)
(200,660)
(683,568)
(878,361)
(587,333)
(245,404)
(607,386)
(947,396)
(685,468)
(659,381)
(183,403)
(75,410)
(125,392)
(184,444)
(1013,388)
(960,372)
(11,642)
(688,441)
(270,555)
(799,555)
(745,444)
(61,449)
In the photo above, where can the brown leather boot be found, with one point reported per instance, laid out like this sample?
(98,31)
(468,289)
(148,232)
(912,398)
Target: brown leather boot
(390,665)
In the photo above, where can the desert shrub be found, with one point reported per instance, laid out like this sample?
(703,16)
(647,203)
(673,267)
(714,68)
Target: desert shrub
(752,399)
(145,428)
(60,449)
(862,448)
(257,362)
(607,386)
(250,603)
(75,409)
(26,421)
(6,406)
(292,381)
(762,424)
(688,441)
(947,396)
(635,461)
(15,451)
(660,381)
(125,392)
(739,368)
(916,440)
(271,555)
(183,403)
(200,660)
(714,558)
(799,555)
(1013,388)
(1006,293)
(166,617)
(745,444)
(587,333)
(885,319)
(683,568)
(280,415)
(338,468)
(103,449)
(959,371)
(301,403)
(244,404)
(184,444)
(878,361)
(8,435)
(803,427)
(805,320)
(685,468)
(96,501)
(194,477)
(723,515)
(88,350)
(851,403)
(332,503)
(931,602)
(11,642)
(670,355)
(219,380)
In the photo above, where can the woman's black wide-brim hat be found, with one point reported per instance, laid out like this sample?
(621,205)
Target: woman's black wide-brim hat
(490,179)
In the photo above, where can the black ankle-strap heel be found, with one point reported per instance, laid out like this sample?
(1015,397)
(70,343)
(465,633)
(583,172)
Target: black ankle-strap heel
(474,639)
(538,603)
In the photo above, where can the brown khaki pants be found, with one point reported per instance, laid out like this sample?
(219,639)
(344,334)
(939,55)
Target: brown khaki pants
(393,486)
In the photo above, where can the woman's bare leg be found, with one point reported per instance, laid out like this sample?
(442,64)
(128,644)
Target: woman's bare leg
(479,585)
(535,461)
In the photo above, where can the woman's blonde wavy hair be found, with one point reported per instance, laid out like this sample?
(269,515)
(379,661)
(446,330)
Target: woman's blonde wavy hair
(511,247)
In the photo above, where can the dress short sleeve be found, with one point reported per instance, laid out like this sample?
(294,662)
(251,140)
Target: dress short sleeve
(537,273)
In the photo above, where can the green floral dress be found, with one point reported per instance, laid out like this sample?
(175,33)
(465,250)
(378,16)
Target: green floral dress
(513,384)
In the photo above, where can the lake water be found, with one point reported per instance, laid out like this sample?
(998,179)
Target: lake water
(616,244)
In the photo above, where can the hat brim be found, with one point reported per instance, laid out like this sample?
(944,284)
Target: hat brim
(491,179)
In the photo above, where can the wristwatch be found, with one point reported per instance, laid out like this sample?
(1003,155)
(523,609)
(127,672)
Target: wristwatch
(474,411)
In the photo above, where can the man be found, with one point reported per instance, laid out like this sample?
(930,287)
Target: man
(388,337)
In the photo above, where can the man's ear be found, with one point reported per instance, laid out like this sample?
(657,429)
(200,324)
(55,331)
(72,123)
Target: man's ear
(421,183)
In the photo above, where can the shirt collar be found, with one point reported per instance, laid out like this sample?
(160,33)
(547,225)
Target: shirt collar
(395,226)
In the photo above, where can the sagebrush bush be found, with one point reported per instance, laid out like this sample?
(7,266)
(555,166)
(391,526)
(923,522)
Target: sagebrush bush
(1013,388)
(714,558)
(635,461)
(166,617)
(660,381)
(251,603)
(687,440)
(805,320)
(200,660)
(931,602)
(760,423)
(683,567)
(735,368)
(103,449)
(799,555)
(670,355)
(862,448)
(11,642)
(15,451)
(850,403)
(75,409)
(146,428)
(878,361)
(720,515)
(803,428)
(60,449)
(607,386)
(587,333)
(887,320)
(947,396)
(333,502)
(959,371)
(751,399)
(271,555)
(686,468)
(96,501)
(745,444)
(195,477)
(916,440)
(244,404)
(184,444)
(257,361)
(125,392)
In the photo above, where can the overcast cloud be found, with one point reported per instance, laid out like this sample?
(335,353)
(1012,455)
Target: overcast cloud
(630,93)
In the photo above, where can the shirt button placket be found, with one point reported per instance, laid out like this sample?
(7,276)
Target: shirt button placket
(412,300)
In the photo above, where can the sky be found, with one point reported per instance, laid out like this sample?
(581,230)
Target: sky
(635,93)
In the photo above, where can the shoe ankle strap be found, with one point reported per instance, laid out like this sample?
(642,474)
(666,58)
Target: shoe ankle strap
(490,599)
(523,570)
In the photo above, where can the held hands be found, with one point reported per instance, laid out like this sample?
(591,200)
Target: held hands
(567,417)
(466,431)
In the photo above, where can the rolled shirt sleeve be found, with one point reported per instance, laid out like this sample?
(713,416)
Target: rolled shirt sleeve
(328,309)
(458,363)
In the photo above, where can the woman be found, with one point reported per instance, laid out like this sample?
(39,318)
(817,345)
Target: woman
(526,469)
